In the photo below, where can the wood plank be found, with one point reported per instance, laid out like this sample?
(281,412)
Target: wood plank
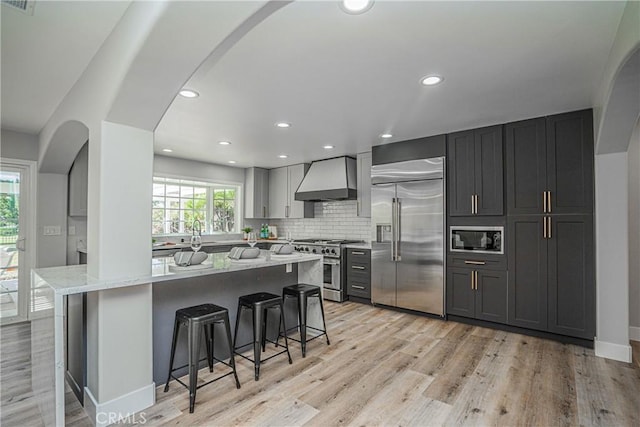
(383,367)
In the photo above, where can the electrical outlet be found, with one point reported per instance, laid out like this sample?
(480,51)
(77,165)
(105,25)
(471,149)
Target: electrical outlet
(289,268)
(72,230)
(52,230)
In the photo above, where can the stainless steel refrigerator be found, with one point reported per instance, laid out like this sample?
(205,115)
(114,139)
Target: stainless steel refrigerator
(407,244)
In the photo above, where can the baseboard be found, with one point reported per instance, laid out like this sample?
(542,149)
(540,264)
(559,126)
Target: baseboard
(121,408)
(613,351)
(634,333)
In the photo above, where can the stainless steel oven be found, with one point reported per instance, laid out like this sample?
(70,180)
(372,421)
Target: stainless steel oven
(331,279)
(332,274)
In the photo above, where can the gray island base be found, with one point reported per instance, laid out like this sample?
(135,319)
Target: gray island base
(137,314)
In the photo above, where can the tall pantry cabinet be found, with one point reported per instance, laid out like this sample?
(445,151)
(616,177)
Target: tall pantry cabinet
(549,183)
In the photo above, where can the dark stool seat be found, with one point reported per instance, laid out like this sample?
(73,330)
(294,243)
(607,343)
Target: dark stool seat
(196,319)
(302,292)
(259,303)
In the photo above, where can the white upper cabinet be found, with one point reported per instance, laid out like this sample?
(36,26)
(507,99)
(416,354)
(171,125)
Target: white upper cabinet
(283,183)
(256,193)
(79,183)
(364,184)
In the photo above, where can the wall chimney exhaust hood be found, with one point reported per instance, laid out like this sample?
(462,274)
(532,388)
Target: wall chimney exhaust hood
(330,179)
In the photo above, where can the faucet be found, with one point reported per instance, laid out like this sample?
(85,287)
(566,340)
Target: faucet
(198,228)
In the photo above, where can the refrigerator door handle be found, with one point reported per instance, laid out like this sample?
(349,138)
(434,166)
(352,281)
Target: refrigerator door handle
(393,229)
(398,228)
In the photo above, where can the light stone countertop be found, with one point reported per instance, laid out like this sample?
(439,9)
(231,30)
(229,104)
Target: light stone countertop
(68,280)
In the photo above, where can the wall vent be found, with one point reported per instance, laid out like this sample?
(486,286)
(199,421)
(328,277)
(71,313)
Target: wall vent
(25,6)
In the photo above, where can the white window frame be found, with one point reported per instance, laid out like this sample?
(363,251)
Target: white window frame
(207,229)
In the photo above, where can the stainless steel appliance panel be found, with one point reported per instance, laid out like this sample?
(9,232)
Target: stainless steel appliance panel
(420,247)
(383,267)
(411,170)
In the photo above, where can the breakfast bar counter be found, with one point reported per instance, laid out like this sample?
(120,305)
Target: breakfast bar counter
(140,313)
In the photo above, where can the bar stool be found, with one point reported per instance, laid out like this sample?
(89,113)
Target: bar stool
(302,292)
(196,319)
(259,303)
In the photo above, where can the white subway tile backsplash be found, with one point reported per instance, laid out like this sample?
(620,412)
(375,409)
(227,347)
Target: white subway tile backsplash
(333,220)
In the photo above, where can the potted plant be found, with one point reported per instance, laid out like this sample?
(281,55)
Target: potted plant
(246,231)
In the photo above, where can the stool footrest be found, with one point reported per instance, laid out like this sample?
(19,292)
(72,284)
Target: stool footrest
(261,360)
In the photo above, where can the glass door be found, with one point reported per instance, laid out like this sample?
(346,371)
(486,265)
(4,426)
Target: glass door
(14,230)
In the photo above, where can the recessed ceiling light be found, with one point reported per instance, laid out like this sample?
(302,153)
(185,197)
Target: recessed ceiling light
(231,161)
(188,93)
(283,125)
(386,135)
(328,147)
(355,7)
(224,143)
(431,80)
(283,156)
(167,150)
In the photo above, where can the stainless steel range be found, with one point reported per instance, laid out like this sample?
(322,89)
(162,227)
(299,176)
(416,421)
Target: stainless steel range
(332,252)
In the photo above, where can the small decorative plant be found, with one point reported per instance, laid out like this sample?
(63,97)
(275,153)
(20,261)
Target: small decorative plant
(246,231)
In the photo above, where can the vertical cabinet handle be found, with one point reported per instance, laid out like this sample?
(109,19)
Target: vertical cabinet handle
(544,227)
(473,209)
(475,198)
(549,202)
(549,232)
(474,280)
(544,202)
(358,208)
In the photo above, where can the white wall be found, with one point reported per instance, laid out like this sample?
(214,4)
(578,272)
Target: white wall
(51,199)
(52,211)
(612,273)
(332,220)
(18,145)
(634,234)
(181,168)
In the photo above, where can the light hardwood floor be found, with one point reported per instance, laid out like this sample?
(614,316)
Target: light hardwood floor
(389,368)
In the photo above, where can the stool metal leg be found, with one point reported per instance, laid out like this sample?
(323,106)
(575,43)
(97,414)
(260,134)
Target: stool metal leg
(302,316)
(324,324)
(176,329)
(195,337)
(284,326)
(208,340)
(232,360)
(235,332)
(258,314)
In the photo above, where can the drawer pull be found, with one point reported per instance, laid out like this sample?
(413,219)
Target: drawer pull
(474,262)
(357,267)
(357,287)
(357,253)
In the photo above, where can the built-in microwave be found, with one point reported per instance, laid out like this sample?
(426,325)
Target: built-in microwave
(476,239)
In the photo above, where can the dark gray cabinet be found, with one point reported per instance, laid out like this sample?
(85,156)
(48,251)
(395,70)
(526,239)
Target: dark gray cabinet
(527,260)
(551,274)
(358,273)
(571,290)
(550,165)
(475,172)
(549,169)
(477,293)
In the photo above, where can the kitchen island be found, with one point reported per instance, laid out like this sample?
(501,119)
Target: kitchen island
(153,299)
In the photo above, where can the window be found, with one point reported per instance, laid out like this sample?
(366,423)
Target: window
(177,203)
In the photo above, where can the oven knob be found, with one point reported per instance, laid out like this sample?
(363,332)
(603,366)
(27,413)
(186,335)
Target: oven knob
(333,251)
(322,251)
(306,249)
(314,251)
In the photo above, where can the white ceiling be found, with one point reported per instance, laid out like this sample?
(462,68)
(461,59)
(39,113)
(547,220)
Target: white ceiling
(339,79)
(44,54)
